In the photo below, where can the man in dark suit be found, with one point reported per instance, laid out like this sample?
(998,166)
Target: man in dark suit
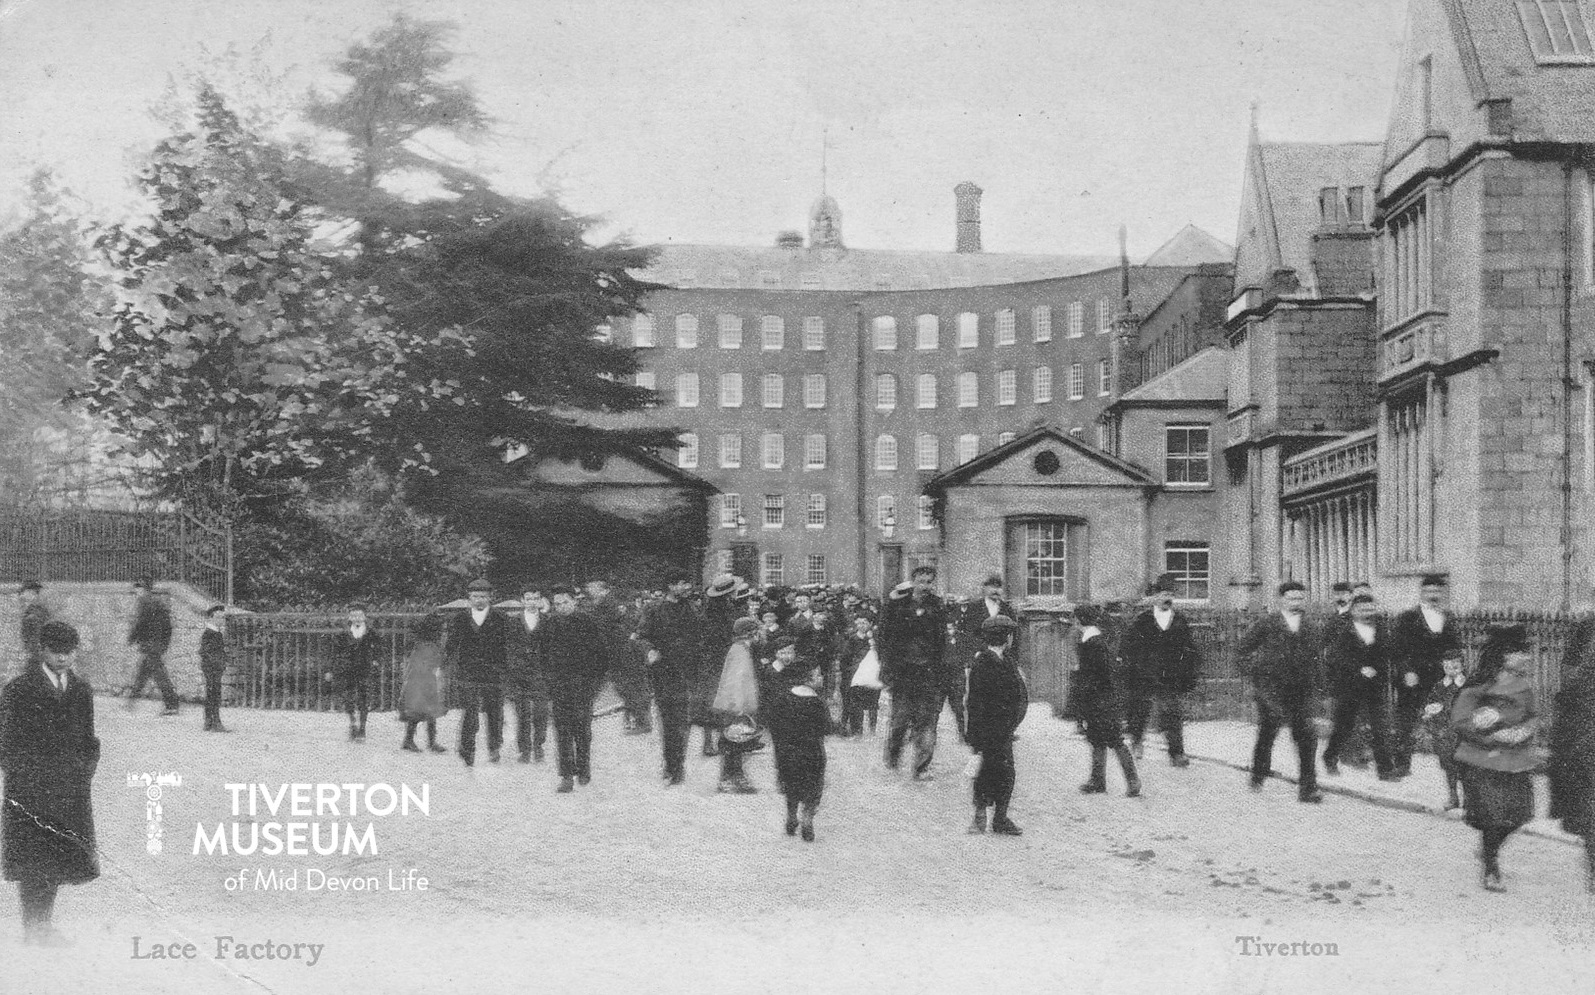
(476,647)
(354,653)
(990,604)
(674,630)
(49,753)
(627,674)
(524,680)
(1160,660)
(1283,652)
(1357,658)
(998,700)
(1422,639)
(815,644)
(575,661)
(213,665)
(152,634)
(913,646)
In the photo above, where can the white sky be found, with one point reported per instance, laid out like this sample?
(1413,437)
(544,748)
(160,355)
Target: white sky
(702,121)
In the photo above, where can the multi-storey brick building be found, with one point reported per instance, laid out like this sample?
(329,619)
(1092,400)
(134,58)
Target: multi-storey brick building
(819,388)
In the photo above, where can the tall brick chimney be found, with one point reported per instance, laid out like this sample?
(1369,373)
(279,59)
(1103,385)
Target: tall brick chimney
(968,196)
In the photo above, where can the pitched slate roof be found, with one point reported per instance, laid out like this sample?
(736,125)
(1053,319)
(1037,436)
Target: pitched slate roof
(1549,102)
(1199,377)
(1191,246)
(1279,210)
(776,268)
(985,461)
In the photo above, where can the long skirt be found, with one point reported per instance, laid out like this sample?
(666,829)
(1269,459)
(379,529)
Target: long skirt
(1496,799)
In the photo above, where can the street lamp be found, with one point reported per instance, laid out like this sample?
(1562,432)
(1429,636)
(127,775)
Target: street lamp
(742,526)
(889,523)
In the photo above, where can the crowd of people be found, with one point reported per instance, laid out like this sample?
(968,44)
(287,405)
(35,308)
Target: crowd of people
(800,665)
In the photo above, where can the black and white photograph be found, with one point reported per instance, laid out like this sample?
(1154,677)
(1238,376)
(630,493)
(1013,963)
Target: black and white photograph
(896,496)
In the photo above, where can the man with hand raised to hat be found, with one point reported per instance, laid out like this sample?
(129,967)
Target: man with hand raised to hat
(477,640)
(1161,662)
(913,644)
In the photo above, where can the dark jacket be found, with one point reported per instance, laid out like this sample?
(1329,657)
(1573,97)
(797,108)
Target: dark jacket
(1094,699)
(913,642)
(353,658)
(212,652)
(152,624)
(996,701)
(1158,661)
(575,656)
(967,626)
(1414,649)
(49,754)
(1572,767)
(677,630)
(797,724)
(478,651)
(1513,698)
(1345,656)
(523,657)
(814,642)
(1285,667)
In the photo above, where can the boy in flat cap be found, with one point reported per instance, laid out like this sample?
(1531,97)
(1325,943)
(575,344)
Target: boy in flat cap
(997,701)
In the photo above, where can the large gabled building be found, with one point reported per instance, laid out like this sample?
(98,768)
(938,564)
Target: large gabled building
(819,387)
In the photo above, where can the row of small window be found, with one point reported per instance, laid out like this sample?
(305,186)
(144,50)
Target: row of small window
(927,329)
(772,450)
(1187,451)
(926,388)
(772,568)
(816,514)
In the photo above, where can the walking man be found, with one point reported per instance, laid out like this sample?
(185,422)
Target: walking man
(49,754)
(1282,649)
(575,661)
(1357,656)
(627,674)
(1423,638)
(1161,660)
(912,647)
(152,634)
(524,678)
(998,700)
(673,629)
(476,645)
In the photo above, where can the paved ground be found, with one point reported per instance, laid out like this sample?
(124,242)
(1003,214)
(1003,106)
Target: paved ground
(629,885)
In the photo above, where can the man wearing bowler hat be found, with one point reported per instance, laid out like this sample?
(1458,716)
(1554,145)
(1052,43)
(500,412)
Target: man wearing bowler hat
(1160,661)
(476,647)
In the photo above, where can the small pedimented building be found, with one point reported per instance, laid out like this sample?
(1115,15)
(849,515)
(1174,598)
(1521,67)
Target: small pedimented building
(1062,521)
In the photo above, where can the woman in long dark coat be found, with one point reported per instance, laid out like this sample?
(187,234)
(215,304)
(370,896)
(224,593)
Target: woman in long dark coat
(421,696)
(1572,767)
(49,754)
(1495,718)
(1096,704)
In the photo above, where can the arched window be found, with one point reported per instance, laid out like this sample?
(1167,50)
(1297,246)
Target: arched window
(886,452)
(885,333)
(885,392)
(925,391)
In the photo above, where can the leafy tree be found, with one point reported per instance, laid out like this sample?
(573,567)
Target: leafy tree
(48,323)
(236,356)
(517,277)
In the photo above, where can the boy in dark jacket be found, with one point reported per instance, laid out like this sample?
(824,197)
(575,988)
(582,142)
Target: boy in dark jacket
(213,664)
(997,701)
(1096,705)
(798,721)
(1437,719)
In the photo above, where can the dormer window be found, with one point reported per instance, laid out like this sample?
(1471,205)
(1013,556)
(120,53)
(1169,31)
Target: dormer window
(1556,31)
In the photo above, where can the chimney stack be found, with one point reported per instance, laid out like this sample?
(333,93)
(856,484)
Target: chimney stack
(968,214)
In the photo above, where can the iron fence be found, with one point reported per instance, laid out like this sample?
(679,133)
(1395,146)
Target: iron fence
(85,545)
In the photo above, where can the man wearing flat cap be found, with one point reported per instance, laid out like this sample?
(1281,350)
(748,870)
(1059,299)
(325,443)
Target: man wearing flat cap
(913,644)
(476,645)
(1160,661)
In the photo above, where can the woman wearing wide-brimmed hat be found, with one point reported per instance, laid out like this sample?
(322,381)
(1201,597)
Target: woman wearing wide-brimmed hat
(736,701)
(1495,717)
